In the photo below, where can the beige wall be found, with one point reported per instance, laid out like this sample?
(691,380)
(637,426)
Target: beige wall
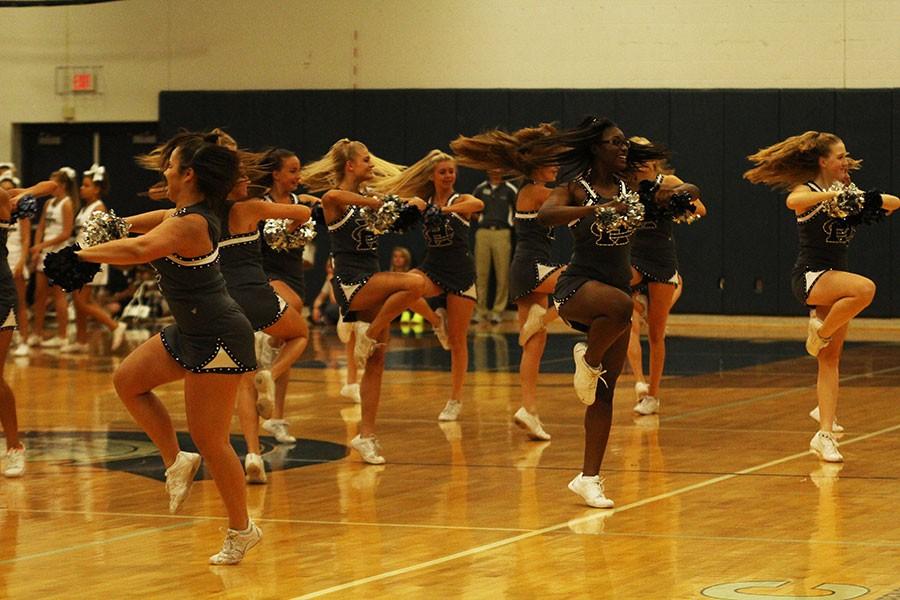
(146,46)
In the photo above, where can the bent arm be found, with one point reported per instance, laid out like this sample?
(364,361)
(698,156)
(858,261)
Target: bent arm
(558,208)
(172,236)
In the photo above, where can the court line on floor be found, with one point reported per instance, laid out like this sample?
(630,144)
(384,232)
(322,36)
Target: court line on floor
(725,538)
(571,523)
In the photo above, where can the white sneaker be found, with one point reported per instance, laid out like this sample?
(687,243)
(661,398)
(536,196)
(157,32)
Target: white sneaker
(451,411)
(54,342)
(814,342)
(531,423)
(180,478)
(835,428)
(369,449)
(265,393)
(586,376)
(34,340)
(351,391)
(440,331)
(15,462)
(648,405)
(641,389)
(344,330)
(644,303)
(268,353)
(279,428)
(118,336)
(824,444)
(365,346)
(236,545)
(591,490)
(73,348)
(21,350)
(534,323)
(255,468)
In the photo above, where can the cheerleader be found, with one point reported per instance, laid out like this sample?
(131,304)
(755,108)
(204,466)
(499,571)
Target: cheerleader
(17,243)
(533,275)
(448,266)
(369,299)
(807,166)
(654,268)
(592,295)
(54,230)
(211,342)
(94,187)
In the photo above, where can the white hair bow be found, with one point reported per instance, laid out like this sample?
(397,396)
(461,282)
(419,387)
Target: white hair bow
(69,171)
(96,173)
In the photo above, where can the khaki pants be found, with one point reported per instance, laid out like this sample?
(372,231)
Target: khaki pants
(492,247)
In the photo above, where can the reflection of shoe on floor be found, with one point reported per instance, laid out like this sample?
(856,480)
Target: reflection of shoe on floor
(826,447)
(367,478)
(531,423)
(452,430)
(277,456)
(73,348)
(648,405)
(451,411)
(255,468)
(826,474)
(591,490)
(814,413)
(648,422)
(21,350)
(351,391)
(279,429)
(180,478)
(369,449)
(590,522)
(533,324)
(54,342)
(531,458)
(236,545)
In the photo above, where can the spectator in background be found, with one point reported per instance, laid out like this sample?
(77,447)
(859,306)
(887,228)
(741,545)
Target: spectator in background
(493,244)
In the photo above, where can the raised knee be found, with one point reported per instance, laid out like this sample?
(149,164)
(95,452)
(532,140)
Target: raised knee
(866,290)
(621,311)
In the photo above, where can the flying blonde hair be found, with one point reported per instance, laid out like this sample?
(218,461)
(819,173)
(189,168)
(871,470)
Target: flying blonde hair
(415,180)
(794,160)
(328,172)
(662,165)
(501,151)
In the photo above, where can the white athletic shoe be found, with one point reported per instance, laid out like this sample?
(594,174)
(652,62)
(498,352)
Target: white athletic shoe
(641,389)
(591,490)
(34,340)
(73,348)
(824,444)
(531,423)
(279,428)
(365,346)
(255,468)
(21,350)
(265,393)
(814,342)
(369,449)
(118,336)
(534,323)
(648,405)
(236,545)
(586,376)
(440,331)
(54,342)
(814,413)
(180,478)
(268,353)
(15,462)
(344,330)
(351,391)
(451,411)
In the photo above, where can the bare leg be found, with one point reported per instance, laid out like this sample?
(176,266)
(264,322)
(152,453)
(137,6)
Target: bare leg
(22,307)
(530,364)
(605,310)
(598,416)
(291,328)
(62,312)
(459,313)
(370,386)
(846,293)
(85,307)
(661,295)
(41,290)
(246,411)
(8,418)
(635,354)
(392,293)
(828,380)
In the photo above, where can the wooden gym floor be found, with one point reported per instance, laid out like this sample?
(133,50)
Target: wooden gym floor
(716,497)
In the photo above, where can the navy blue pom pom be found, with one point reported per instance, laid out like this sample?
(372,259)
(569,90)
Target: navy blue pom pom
(66,270)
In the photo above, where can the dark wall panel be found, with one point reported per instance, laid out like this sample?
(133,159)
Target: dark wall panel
(695,139)
(645,113)
(326,117)
(578,104)
(894,286)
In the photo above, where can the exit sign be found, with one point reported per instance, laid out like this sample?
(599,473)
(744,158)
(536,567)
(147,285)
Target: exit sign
(78,80)
(83,81)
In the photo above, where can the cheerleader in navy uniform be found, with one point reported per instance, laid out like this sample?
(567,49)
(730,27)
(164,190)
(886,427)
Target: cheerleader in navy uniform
(807,166)
(654,268)
(94,187)
(15,451)
(593,294)
(211,343)
(17,244)
(533,274)
(284,268)
(448,265)
(369,299)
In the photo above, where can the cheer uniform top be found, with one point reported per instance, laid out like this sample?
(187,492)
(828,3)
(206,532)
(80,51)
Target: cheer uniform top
(53,226)
(824,241)
(598,255)
(8,297)
(102,276)
(13,246)
(653,249)
(354,250)
(285,265)
(241,264)
(211,333)
(448,262)
(531,264)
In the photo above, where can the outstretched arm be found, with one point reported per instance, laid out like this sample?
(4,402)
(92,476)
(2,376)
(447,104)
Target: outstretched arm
(560,207)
